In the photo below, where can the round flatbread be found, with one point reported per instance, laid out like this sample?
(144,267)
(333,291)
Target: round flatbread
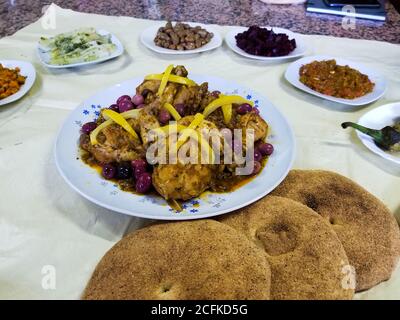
(368,231)
(306,257)
(201,259)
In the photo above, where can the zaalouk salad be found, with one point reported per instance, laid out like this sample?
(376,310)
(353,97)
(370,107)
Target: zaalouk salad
(174,107)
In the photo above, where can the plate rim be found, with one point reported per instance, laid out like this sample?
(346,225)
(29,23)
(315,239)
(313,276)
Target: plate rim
(350,102)
(202,49)
(361,136)
(114,39)
(290,133)
(297,36)
(20,93)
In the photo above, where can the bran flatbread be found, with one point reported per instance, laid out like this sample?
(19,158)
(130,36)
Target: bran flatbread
(306,257)
(201,259)
(368,231)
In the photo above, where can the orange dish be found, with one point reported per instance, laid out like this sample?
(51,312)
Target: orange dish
(10,81)
(334,80)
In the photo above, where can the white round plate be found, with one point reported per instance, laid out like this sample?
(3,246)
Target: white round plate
(298,52)
(89,183)
(27,70)
(292,75)
(378,118)
(148,35)
(45,58)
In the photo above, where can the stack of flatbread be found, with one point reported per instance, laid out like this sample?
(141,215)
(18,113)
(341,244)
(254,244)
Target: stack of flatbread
(318,236)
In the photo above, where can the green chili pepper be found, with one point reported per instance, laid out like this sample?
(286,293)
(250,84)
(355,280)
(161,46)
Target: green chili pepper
(388,138)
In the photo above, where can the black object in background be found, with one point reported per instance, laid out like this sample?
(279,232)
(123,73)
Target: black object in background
(373,13)
(355,3)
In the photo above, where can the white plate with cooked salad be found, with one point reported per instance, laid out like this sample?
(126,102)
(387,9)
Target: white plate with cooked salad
(77,48)
(102,150)
(336,79)
(16,79)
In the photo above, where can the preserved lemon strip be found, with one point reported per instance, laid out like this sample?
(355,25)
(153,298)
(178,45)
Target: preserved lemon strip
(172,78)
(206,145)
(164,79)
(203,143)
(214,105)
(227,111)
(118,119)
(131,114)
(171,128)
(170,108)
(95,132)
(198,119)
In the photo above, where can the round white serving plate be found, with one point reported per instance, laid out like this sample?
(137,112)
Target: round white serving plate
(298,52)
(45,58)
(148,35)
(292,75)
(28,71)
(89,183)
(378,118)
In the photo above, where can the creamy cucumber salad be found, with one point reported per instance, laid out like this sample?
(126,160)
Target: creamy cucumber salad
(82,45)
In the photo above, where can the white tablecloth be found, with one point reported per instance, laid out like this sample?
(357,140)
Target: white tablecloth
(46,229)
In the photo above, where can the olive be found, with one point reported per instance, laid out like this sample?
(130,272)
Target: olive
(144,183)
(124,171)
(137,99)
(114,107)
(257,167)
(108,171)
(88,127)
(266,149)
(244,108)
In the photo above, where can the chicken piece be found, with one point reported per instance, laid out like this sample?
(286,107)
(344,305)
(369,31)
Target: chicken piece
(185,181)
(180,71)
(153,85)
(169,93)
(253,121)
(208,130)
(115,145)
(150,85)
(192,97)
(146,123)
(182,181)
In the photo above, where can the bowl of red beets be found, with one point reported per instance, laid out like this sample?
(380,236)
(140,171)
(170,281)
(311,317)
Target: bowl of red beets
(263,42)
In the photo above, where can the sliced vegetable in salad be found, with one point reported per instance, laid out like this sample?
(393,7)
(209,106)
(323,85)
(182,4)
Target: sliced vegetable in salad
(82,45)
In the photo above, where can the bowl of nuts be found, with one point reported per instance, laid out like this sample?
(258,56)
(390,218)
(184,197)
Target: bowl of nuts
(181,38)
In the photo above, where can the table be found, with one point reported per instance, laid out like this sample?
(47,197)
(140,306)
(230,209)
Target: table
(46,228)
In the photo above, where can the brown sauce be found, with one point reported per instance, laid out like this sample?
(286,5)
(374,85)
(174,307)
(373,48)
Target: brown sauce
(219,186)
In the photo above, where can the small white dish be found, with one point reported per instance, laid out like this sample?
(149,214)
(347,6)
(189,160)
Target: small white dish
(298,52)
(379,118)
(45,58)
(292,75)
(91,185)
(28,71)
(148,35)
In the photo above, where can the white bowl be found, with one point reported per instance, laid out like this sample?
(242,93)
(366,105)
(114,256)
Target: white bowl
(298,52)
(292,75)
(148,35)
(28,71)
(92,186)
